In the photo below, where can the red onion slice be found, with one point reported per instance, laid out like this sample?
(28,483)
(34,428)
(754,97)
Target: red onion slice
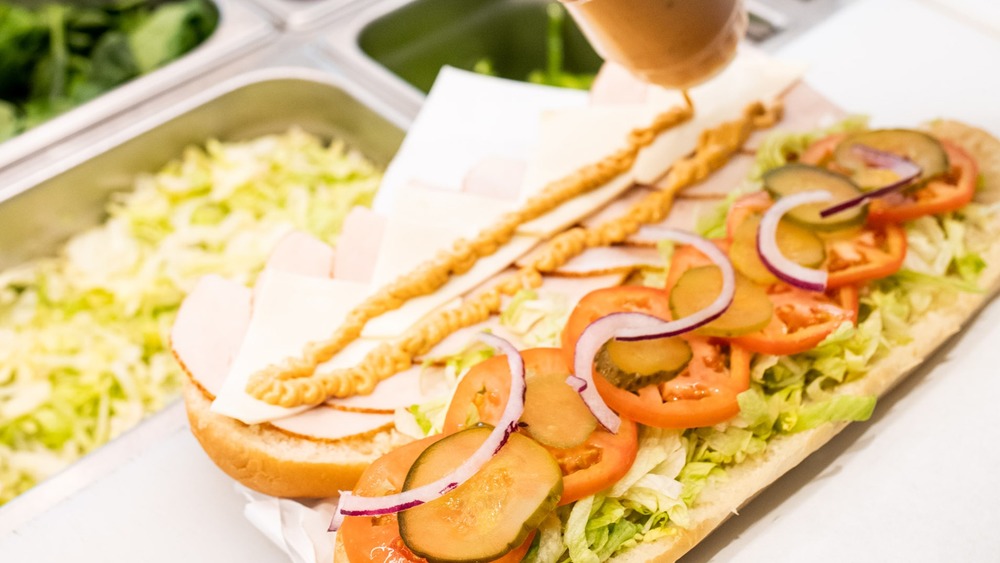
(637,326)
(577,383)
(353,505)
(905,169)
(767,243)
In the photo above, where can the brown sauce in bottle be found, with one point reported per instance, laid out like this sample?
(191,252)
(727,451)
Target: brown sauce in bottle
(670,43)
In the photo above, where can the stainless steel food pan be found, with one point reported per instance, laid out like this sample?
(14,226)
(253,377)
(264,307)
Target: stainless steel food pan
(398,46)
(240,29)
(304,14)
(41,210)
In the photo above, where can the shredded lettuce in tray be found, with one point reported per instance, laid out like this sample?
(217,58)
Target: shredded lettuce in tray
(84,351)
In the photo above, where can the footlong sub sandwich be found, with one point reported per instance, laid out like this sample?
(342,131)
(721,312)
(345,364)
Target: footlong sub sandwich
(616,388)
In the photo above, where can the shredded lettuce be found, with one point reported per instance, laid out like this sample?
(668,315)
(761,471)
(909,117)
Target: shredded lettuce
(458,364)
(787,395)
(424,419)
(84,335)
(639,507)
(657,277)
(537,319)
(779,146)
(712,225)
(775,150)
(548,546)
(575,535)
(427,418)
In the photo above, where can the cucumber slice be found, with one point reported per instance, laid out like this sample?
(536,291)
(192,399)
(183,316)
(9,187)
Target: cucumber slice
(632,365)
(750,311)
(796,178)
(491,513)
(554,412)
(798,244)
(920,148)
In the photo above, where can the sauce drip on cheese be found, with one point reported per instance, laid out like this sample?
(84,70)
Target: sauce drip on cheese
(296,382)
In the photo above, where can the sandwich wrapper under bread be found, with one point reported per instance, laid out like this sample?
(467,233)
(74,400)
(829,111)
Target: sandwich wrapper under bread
(468,118)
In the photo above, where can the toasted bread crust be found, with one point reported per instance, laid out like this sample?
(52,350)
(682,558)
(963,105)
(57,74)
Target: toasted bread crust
(277,463)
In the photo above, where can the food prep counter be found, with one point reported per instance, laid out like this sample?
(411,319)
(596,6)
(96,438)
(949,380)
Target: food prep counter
(152,495)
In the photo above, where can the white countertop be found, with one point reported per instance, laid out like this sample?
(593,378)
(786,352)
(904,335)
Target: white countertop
(915,483)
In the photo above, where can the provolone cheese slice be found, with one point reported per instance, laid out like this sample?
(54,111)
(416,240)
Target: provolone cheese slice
(573,138)
(426,221)
(466,118)
(394,323)
(752,76)
(569,213)
(496,177)
(289,311)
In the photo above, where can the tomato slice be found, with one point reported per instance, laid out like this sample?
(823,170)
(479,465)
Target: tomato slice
(849,299)
(622,299)
(683,259)
(591,467)
(821,152)
(940,195)
(754,202)
(704,394)
(377,538)
(801,320)
(866,254)
(852,256)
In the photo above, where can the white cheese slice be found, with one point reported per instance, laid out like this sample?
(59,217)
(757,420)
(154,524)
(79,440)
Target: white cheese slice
(407,244)
(468,117)
(425,221)
(394,323)
(289,311)
(570,213)
(752,76)
(496,177)
(573,138)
